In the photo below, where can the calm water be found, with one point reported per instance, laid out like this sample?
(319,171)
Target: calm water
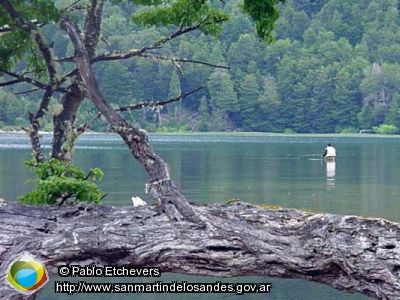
(268,170)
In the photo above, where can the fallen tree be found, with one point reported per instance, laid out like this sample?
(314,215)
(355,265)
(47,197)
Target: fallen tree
(349,253)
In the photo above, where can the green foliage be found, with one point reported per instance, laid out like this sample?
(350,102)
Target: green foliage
(386,129)
(365,117)
(56,182)
(393,115)
(289,131)
(222,94)
(17,44)
(348,130)
(264,13)
(12,109)
(182,128)
(335,65)
(183,13)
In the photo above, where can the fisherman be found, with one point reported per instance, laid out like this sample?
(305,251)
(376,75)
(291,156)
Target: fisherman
(330,153)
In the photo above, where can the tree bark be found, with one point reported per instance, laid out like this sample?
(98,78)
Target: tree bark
(349,253)
(64,132)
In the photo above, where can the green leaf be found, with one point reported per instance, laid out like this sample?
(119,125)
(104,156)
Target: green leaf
(56,181)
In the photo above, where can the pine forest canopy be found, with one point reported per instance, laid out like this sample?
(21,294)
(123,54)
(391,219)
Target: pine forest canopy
(19,52)
(333,67)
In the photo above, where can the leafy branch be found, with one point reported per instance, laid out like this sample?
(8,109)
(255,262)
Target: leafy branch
(58,182)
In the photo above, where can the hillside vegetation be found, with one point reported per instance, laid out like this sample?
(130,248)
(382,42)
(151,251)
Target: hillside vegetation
(334,67)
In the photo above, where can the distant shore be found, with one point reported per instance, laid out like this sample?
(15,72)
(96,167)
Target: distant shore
(256,134)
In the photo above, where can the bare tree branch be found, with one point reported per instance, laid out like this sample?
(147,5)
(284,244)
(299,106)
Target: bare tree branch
(184,60)
(66,59)
(3,84)
(158,103)
(156,45)
(27,92)
(70,74)
(22,78)
(7,28)
(140,52)
(75,6)
(140,105)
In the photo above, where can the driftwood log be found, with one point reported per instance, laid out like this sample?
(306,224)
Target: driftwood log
(349,253)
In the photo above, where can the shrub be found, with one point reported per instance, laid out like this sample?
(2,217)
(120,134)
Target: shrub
(289,131)
(203,127)
(19,121)
(386,129)
(349,129)
(58,182)
(183,128)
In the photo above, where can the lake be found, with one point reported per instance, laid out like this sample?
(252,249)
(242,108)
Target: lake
(260,169)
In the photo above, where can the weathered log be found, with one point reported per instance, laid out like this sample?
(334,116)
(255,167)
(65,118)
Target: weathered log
(349,253)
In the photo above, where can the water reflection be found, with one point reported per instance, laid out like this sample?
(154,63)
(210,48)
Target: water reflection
(330,174)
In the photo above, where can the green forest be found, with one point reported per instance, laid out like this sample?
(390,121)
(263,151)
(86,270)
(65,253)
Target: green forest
(333,67)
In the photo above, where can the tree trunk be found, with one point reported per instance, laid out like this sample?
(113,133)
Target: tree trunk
(160,186)
(349,253)
(65,134)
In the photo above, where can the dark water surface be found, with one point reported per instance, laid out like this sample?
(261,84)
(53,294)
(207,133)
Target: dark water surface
(282,170)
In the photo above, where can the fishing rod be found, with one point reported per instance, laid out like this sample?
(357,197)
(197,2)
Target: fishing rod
(310,155)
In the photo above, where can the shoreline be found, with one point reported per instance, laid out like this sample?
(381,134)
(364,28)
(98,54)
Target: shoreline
(247,134)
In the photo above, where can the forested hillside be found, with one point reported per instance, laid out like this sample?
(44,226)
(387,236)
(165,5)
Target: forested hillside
(334,67)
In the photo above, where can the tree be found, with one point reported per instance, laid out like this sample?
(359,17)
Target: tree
(292,23)
(366,117)
(175,91)
(113,81)
(11,107)
(248,94)
(393,115)
(347,94)
(378,87)
(223,98)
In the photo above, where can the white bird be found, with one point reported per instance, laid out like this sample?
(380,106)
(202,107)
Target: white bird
(137,201)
